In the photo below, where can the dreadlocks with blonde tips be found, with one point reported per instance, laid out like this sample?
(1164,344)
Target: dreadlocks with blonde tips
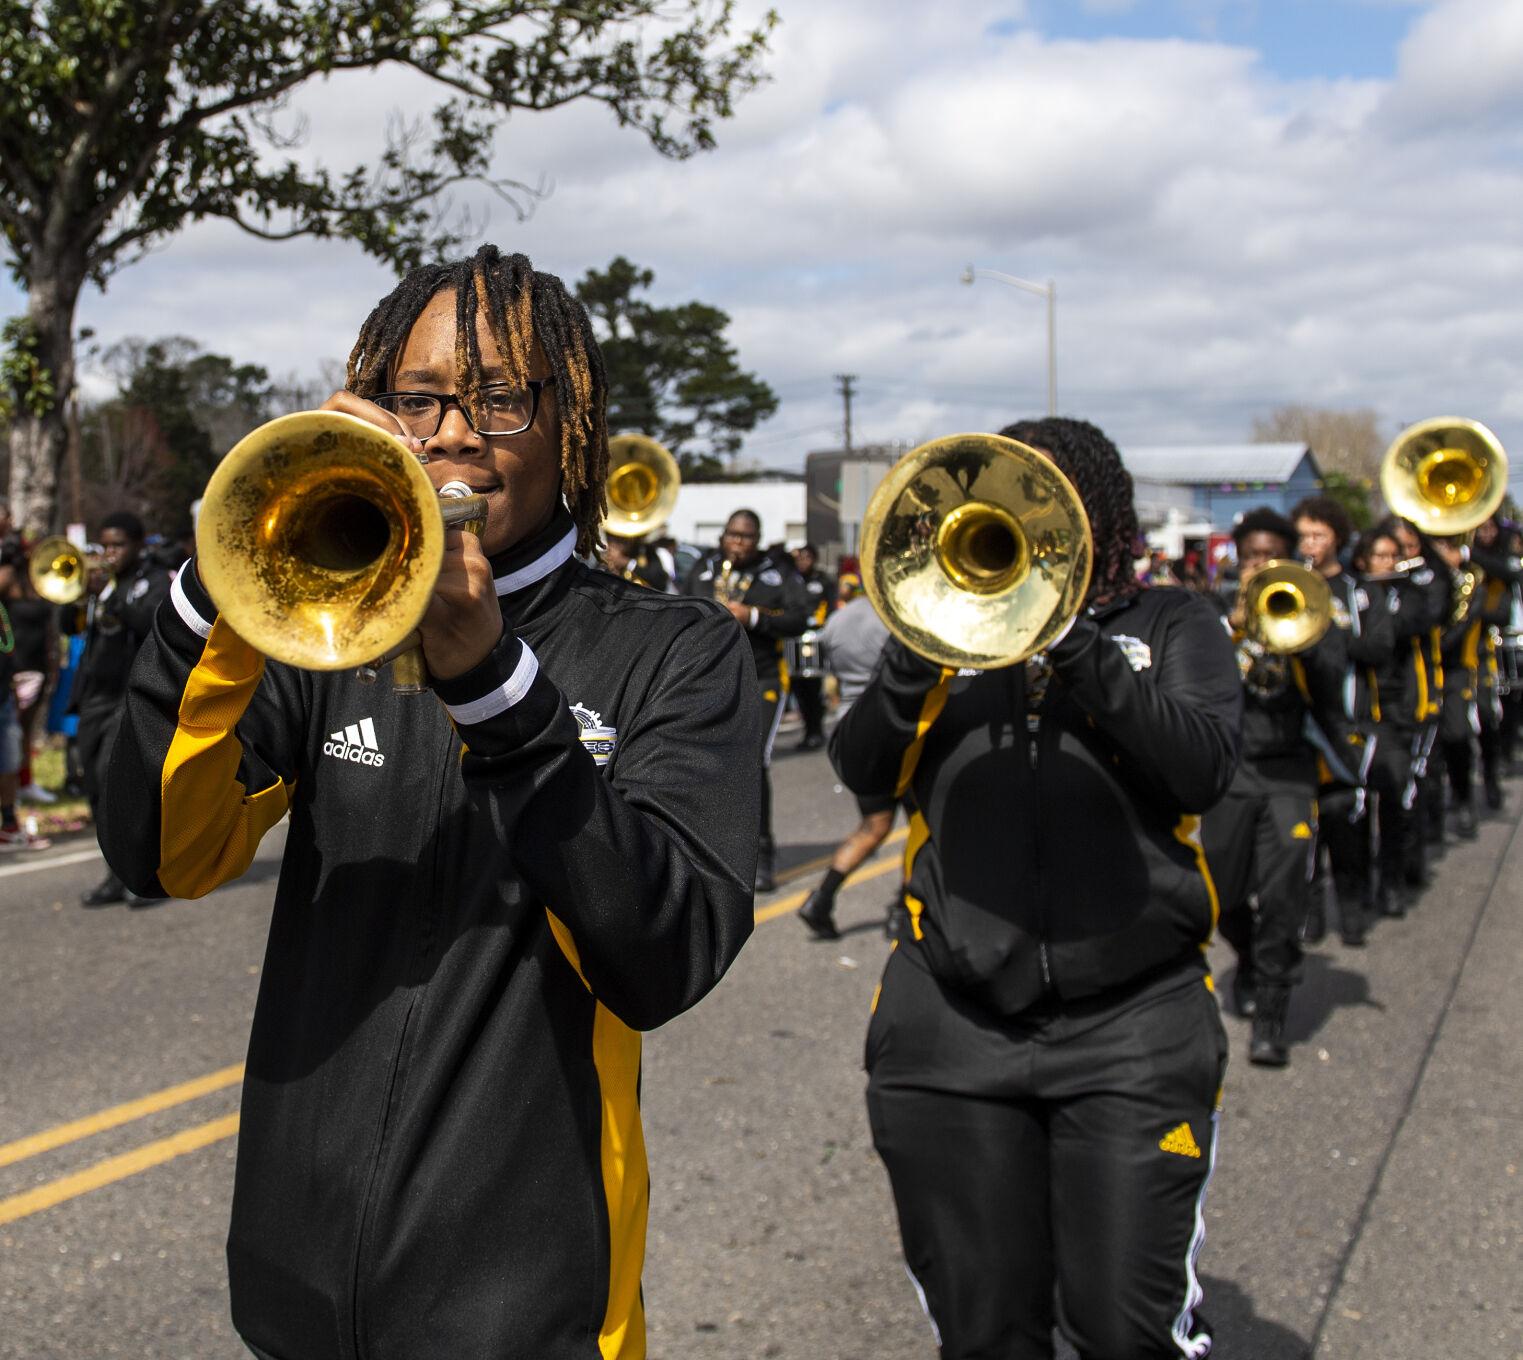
(521,305)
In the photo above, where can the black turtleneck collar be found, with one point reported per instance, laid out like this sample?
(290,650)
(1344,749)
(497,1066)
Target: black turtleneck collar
(538,557)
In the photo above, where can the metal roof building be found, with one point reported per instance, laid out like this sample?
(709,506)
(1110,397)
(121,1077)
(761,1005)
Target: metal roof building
(1224,480)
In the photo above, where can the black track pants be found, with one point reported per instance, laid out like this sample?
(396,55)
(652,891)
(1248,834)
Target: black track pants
(97,735)
(1259,840)
(1071,1149)
(1343,823)
(809,690)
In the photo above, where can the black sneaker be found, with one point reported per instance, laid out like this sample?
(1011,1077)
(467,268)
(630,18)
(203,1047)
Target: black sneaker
(1464,821)
(109,890)
(1390,903)
(1266,1044)
(818,915)
(1494,794)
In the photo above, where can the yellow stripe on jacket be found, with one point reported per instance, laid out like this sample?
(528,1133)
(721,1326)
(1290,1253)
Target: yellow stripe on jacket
(210,825)
(626,1174)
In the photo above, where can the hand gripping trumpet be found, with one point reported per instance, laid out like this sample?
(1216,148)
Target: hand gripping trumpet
(320,539)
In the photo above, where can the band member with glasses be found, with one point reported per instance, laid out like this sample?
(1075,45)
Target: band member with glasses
(483,899)
(767,600)
(1045,1057)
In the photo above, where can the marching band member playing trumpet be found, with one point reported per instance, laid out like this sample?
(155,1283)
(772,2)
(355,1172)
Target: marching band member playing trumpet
(1261,838)
(1045,1057)
(482,900)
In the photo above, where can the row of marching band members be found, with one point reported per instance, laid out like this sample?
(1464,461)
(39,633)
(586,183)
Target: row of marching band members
(1354,744)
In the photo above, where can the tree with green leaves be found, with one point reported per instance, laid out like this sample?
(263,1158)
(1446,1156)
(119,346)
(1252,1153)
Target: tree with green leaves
(671,372)
(122,122)
(178,409)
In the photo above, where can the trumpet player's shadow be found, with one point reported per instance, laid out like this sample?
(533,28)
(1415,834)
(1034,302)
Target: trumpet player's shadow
(1325,987)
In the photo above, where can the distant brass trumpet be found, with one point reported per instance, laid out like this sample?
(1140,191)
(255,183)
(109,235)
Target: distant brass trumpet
(320,539)
(976,551)
(643,482)
(1446,475)
(59,571)
(1287,607)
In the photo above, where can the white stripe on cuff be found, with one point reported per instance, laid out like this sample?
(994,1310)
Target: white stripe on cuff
(185,609)
(501,699)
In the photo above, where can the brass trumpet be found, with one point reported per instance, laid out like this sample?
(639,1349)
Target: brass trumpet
(59,571)
(643,482)
(976,551)
(1286,607)
(1446,475)
(320,540)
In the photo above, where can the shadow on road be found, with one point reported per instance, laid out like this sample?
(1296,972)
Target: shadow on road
(1325,988)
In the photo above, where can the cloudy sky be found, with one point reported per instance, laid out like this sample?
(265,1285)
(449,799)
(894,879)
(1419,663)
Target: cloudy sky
(1244,203)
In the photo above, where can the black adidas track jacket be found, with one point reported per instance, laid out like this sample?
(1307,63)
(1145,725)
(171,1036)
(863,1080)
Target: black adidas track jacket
(1053,849)
(478,910)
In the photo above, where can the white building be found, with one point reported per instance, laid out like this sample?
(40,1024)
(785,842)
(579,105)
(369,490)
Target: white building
(703,508)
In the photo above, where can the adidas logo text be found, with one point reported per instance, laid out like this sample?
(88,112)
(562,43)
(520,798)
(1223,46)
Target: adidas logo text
(356,743)
(1182,1141)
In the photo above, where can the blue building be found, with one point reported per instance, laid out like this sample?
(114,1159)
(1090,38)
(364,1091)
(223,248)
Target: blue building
(1224,480)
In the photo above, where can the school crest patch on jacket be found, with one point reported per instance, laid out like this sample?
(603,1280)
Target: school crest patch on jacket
(598,739)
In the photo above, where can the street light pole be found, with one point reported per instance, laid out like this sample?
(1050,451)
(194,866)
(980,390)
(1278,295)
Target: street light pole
(1048,290)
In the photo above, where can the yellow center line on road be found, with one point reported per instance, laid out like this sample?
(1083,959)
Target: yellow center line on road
(796,900)
(117,1115)
(117,1168)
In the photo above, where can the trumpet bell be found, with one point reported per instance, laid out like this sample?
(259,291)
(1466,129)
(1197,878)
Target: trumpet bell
(1446,475)
(976,551)
(1288,606)
(320,540)
(642,486)
(58,570)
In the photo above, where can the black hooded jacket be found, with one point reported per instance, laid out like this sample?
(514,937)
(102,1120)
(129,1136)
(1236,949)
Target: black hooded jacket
(482,902)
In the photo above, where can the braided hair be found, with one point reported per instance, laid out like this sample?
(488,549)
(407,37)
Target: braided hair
(520,305)
(1093,464)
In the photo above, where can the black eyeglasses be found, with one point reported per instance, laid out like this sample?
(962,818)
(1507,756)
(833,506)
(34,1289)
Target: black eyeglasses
(502,408)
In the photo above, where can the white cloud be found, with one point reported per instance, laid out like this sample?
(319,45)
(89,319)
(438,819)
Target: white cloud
(1223,241)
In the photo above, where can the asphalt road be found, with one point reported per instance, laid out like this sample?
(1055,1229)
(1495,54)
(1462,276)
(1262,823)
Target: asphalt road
(1366,1203)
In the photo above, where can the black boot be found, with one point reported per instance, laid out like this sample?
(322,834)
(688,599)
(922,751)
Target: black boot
(1464,820)
(765,863)
(1389,901)
(110,889)
(1266,1044)
(1493,793)
(818,914)
(1353,911)
(1244,1000)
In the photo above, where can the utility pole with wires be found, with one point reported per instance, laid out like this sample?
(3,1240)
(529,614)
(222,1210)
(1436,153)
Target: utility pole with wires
(844,381)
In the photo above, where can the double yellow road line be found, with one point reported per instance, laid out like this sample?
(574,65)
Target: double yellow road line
(215,1130)
(126,1163)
